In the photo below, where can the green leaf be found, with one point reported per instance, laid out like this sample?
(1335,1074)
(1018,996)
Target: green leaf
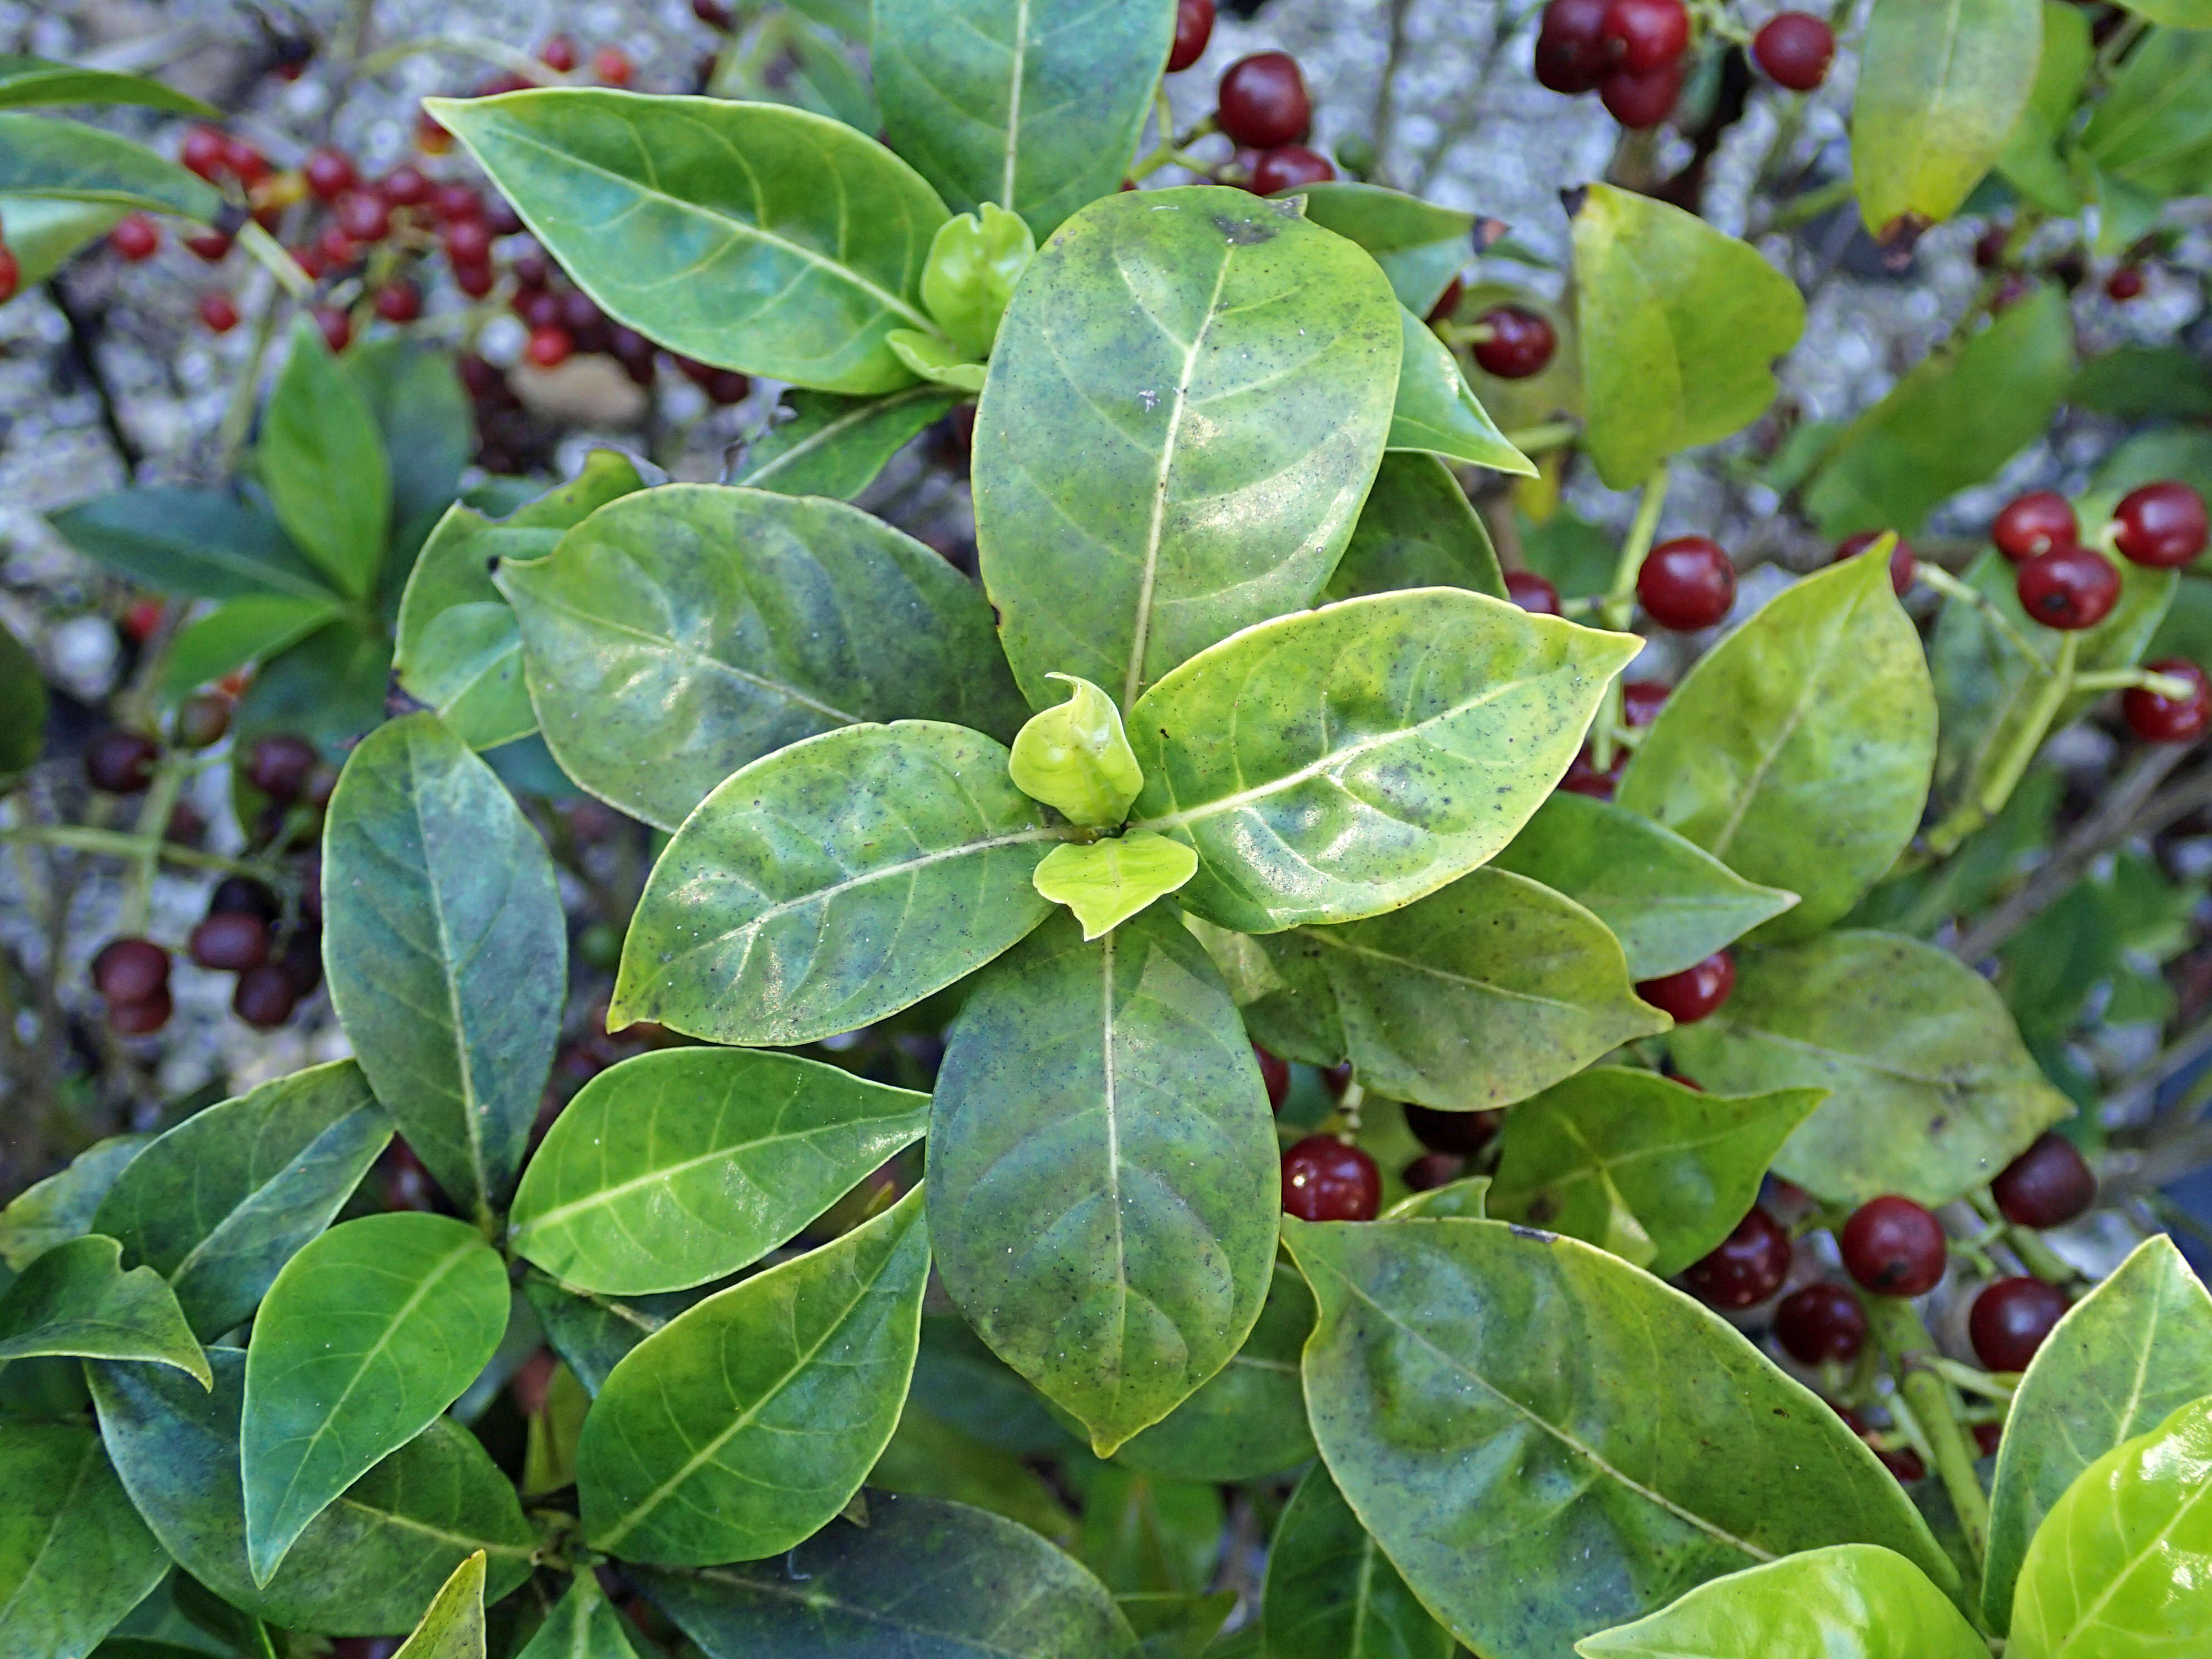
(422,412)
(1033,104)
(2174,13)
(1075,757)
(40,155)
(1669,903)
(74,1557)
(939,1580)
(1467,1197)
(1336,763)
(1187,402)
(1933,1091)
(684,632)
(1680,325)
(2153,129)
(833,446)
(1490,1402)
(76,1300)
(1798,751)
(1144,1536)
(1331,1594)
(746,1423)
(584,1625)
(833,883)
(974,260)
(201,542)
(2141,382)
(330,688)
(1436,411)
(929,1457)
(1615,1157)
(673,1169)
(957,1377)
(367,1335)
(2030,162)
(62,1205)
(43,232)
(23,698)
(591,1333)
(323,462)
(936,360)
(445,948)
(1106,881)
(1846,1601)
(367,1566)
(1102,1170)
(1954,420)
(751,236)
(1477,996)
(237,633)
(1421,246)
(1942,85)
(1416,530)
(2127,1356)
(452,1626)
(2119,1566)
(26,81)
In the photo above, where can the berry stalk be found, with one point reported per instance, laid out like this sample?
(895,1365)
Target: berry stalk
(1910,1351)
(1620,601)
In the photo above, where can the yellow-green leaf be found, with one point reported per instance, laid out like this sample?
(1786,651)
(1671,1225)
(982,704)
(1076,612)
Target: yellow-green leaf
(1107,882)
(1075,757)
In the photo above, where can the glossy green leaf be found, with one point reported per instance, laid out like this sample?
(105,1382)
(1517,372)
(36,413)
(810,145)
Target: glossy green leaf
(751,236)
(2119,1569)
(929,1457)
(957,1377)
(1189,399)
(62,1205)
(1933,1091)
(1942,85)
(684,632)
(422,412)
(974,260)
(936,360)
(1502,1407)
(1331,1594)
(1418,529)
(1846,1601)
(367,1565)
(1436,412)
(1033,104)
(591,1332)
(41,155)
(1798,751)
(834,882)
(201,542)
(445,949)
(368,1334)
(1635,1163)
(44,233)
(835,445)
(1679,325)
(746,1423)
(1669,903)
(676,1168)
(584,1625)
(1340,763)
(924,1579)
(1103,1170)
(23,699)
(76,1300)
(323,462)
(74,1557)
(236,634)
(452,1626)
(2153,129)
(1421,246)
(1106,881)
(28,82)
(1170,1625)
(2127,1355)
(1075,757)
(1467,1199)
(1476,996)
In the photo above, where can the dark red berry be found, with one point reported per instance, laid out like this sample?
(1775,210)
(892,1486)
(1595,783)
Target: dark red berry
(1193,28)
(1641,701)
(210,247)
(2009,1319)
(1746,1268)
(1990,247)
(532,270)
(120,762)
(337,249)
(2125,283)
(712,13)
(1325,1179)
(1820,1322)
(1447,303)
(247,164)
(2156,719)
(203,153)
(558,53)
(1643,35)
(2046,1186)
(1640,102)
(539,308)
(143,617)
(1893,1247)
(2034,523)
(278,764)
(143,1017)
(11,273)
(1434,1170)
(2160,524)
(364,216)
(2068,589)
(1571,51)
(468,241)
(135,237)
(202,720)
(727,386)
(1290,167)
(230,942)
(301,959)
(265,996)
(1694,993)
(1902,1461)
(1464,1133)
(330,173)
(337,325)
(1263,101)
(1986,1437)
(612,66)
(1521,342)
(580,314)
(1794,49)
(1903,572)
(242,896)
(500,215)
(475,281)
(1584,778)
(1686,583)
(1275,1074)
(550,346)
(1532,593)
(404,186)
(218,312)
(400,301)
(129,969)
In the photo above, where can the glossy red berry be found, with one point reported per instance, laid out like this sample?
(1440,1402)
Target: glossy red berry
(244,896)
(550,346)
(712,13)
(1686,583)
(1290,167)
(278,764)
(11,273)
(135,237)
(1643,35)
(2046,1186)
(1263,101)
(2068,589)
(1324,1179)
(203,153)
(120,763)
(1902,571)
(129,969)
(2156,719)
(337,325)
(231,942)
(1274,1075)
(611,65)
(1893,1247)
(1532,593)
(1820,1322)
(143,618)
(1795,48)
(475,281)
(1570,51)
(2125,283)
(400,301)
(404,186)
(143,1017)
(2034,523)
(1746,1268)
(1434,1170)
(265,996)
(1584,778)
(1986,1437)
(468,241)
(218,312)
(558,53)
(2160,524)
(363,216)
(1521,342)
(1447,303)
(336,250)
(724,386)
(1640,102)
(330,173)
(1694,993)
(210,247)
(1193,28)
(1464,1133)
(2009,1319)
(247,164)
(1642,700)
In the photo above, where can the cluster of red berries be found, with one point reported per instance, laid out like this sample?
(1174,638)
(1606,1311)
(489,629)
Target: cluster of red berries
(1263,106)
(1686,583)
(1634,53)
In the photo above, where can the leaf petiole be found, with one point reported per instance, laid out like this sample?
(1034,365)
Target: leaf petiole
(1912,1357)
(1952,588)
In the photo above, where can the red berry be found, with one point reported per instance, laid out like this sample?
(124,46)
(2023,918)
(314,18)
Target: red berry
(1696,992)
(500,215)
(611,65)
(1746,1268)
(218,312)
(2170,720)
(1193,28)
(1434,1170)
(1902,1461)
(203,153)
(558,53)
(337,249)
(2068,589)
(231,942)
(727,386)
(11,273)
(532,270)
(1325,1179)
(1584,779)
(118,762)
(330,173)
(1686,583)
(457,204)
(1986,1437)
(1820,1322)
(1263,101)
(1640,102)
(404,186)
(1794,49)
(143,617)
(2125,283)
(2160,524)
(1521,342)
(1571,51)
(1532,593)
(1903,572)
(242,896)
(336,324)
(265,996)
(1464,1133)
(2009,1319)
(1641,701)
(2046,1186)
(247,165)
(129,969)
(1290,167)
(540,308)
(1447,303)
(400,301)
(363,216)
(1643,35)
(712,13)
(143,1018)
(301,958)
(2034,523)
(550,346)
(1990,247)
(1275,1074)
(475,281)
(579,314)
(211,246)
(1893,1247)
(202,720)
(135,237)
(278,764)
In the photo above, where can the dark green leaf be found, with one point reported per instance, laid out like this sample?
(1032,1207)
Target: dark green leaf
(1436,412)
(1103,1170)
(1187,402)
(22,707)
(2153,129)
(62,1205)
(2031,161)
(1421,246)
(584,1625)
(592,1332)
(40,155)
(1144,1536)
(2139,382)
(422,412)
(1331,1594)
(74,1557)
(26,81)
(1467,1197)
(43,232)
(76,1300)
(322,460)
(201,542)
(928,1457)
(958,1378)
(1418,529)
(1942,85)
(237,633)
(833,446)
(330,688)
